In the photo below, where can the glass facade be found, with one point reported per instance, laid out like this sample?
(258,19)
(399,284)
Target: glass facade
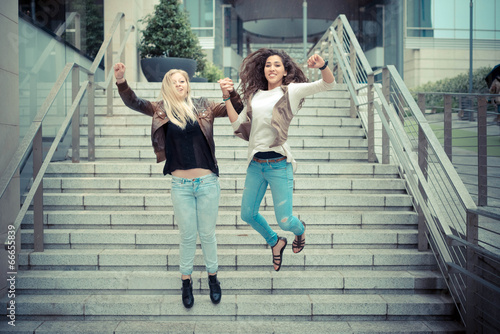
(51,15)
(201,16)
(451,19)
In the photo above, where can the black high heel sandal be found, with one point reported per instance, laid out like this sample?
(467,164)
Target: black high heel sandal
(279,258)
(299,242)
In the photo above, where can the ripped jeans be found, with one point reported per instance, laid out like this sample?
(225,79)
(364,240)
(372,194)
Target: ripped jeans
(279,176)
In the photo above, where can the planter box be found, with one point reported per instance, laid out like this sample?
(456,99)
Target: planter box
(154,69)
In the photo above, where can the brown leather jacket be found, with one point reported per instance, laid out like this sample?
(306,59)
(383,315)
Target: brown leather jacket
(280,120)
(205,112)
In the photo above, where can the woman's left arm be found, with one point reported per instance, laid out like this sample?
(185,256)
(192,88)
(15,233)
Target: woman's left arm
(232,104)
(316,61)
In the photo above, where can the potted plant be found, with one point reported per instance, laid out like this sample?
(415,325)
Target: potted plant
(168,42)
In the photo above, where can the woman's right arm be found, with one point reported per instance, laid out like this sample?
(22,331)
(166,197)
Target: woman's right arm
(127,94)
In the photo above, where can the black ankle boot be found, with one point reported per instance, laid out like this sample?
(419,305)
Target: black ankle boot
(215,291)
(187,293)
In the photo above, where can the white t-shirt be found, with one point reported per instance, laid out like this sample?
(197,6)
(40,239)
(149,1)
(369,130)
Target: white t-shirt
(262,134)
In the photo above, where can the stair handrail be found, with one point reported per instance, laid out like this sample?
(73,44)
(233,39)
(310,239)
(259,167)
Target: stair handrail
(32,141)
(451,232)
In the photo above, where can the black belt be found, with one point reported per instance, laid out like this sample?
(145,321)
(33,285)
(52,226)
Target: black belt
(268,160)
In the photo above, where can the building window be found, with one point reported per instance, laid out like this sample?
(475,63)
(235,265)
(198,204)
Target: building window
(201,16)
(451,19)
(419,18)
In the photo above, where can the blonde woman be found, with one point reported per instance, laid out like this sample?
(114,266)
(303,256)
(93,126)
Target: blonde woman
(182,136)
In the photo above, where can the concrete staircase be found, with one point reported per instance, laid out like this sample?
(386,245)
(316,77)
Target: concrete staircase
(111,258)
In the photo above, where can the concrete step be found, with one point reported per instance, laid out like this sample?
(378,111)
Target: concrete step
(312,119)
(230,327)
(229,259)
(133,169)
(164,219)
(301,201)
(42,282)
(196,86)
(221,127)
(306,132)
(336,100)
(212,89)
(160,184)
(336,307)
(340,114)
(351,142)
(223,154)
(317,238)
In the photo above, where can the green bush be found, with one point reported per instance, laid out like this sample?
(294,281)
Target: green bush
(212,72)
(457,84)
(168,33)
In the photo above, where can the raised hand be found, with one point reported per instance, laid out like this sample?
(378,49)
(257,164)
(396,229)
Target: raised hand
(119,71)
(315,61)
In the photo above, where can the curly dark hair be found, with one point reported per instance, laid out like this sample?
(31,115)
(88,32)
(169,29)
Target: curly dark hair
(252,71)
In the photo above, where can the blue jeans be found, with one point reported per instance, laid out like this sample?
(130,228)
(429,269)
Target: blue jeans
(279,176)
(196,206)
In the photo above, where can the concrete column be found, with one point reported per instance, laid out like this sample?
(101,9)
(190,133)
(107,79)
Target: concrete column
(9,121)
(134,11)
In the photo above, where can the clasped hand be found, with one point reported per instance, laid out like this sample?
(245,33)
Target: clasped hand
(226,85)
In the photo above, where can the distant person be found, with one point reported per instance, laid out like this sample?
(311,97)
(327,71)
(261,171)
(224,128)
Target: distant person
(495,89)
(493,81)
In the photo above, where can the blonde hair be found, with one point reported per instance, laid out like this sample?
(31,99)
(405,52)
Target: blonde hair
(179,111)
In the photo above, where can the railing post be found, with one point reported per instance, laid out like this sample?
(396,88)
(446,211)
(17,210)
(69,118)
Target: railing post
(371,120)
(122,37)
(482,152)
(75,121)
(422,163)
(109,89)
(421,102)
(340,33)
(352,60)
(91,118)
(38,198)
(353,111)
(78,32)
(448,132)
(331,41)
(386,90)
(471,266)
(33,77)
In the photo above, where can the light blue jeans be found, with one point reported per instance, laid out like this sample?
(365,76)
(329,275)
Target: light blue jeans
(196,206)
(279,176)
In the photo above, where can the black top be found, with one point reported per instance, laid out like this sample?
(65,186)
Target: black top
(186,149)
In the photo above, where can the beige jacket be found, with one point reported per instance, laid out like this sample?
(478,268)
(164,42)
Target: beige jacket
(283,112)
(282,116)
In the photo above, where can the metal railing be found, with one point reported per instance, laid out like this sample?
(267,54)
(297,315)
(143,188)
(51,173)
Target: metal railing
(32,141)
(398,133)
(468,126)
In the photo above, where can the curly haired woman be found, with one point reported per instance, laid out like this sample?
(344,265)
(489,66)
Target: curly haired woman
(273,88)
